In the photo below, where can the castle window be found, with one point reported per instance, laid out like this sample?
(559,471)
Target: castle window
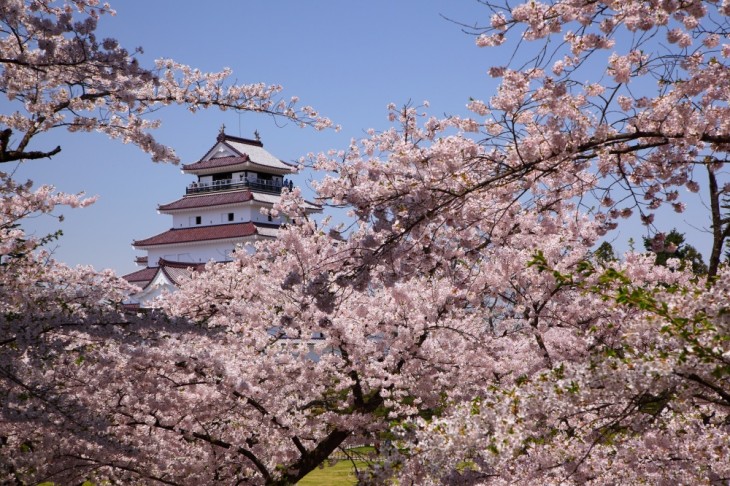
(230,216)
(198,219)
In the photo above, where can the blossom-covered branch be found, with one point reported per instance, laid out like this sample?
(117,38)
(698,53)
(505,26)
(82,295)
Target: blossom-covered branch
(58,73)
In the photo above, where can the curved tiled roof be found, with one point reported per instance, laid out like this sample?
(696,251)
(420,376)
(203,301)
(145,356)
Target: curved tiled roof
(197,266)
(214,163)
(248,152)
(202,201)
(199,233)
(176,272)
(141,277)
(275,198)
(256,153)
(221,162)
(177,275)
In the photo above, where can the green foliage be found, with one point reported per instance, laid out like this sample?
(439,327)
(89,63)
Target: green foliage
(50,483)
(676,247)
(604,254)
(341,473)
(693,330)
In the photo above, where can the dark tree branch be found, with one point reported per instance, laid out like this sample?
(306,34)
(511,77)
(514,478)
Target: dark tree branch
(13,155)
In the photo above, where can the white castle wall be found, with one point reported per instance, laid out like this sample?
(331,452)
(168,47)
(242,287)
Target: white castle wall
(201,252)
(250,212)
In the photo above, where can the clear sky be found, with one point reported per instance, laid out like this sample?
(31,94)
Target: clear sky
(348,59)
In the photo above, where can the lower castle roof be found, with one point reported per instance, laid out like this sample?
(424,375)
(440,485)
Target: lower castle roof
(141,277)
(205,233)
(176,272)
(207,200)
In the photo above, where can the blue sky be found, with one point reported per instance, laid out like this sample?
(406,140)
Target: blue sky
(347,59)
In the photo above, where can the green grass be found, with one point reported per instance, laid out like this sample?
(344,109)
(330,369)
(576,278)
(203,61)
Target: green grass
(340,474)
(362,450)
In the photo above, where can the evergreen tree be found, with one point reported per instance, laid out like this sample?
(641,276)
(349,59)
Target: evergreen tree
(605,253)
(673,245)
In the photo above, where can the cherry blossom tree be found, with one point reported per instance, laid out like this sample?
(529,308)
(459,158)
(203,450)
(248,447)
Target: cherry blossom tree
(57,323)
(673,245)
(60,74)
(651,124)
(460,322)
(556,147)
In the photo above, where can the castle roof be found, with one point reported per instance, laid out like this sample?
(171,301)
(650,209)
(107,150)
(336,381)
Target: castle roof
(235,153)
(216,163)
(207,200)
(203,233)
(226,198)
(274,198)
(179,272)
(176,272)
(180,265)
(141,277)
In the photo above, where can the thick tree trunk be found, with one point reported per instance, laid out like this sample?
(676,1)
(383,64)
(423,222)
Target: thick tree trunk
(308,462)
(718,232)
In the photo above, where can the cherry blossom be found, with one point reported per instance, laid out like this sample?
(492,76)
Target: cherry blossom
(458,321)
(59,74)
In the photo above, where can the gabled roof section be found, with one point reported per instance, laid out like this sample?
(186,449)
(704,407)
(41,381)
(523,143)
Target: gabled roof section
(176,272)
(309,206)
(216,163)
(197,266)
(236,152)
(206,200)
(200,233)
(177,275)
(179,272)
(226,198)
(142,277)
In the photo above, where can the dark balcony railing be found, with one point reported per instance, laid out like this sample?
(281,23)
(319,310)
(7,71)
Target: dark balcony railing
(257,185)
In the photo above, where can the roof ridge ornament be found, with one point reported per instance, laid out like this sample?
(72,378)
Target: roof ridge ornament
(222,132)
(257,135)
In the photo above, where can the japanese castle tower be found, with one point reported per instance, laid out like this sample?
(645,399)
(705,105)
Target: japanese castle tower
(237,180)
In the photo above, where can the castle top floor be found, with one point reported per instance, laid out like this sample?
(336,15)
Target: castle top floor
(236,154)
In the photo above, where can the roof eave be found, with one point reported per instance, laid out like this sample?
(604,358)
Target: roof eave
(197,242)
(241,166)
(161,210)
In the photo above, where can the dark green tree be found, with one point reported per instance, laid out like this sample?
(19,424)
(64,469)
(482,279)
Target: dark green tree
(673,245)
(605,254)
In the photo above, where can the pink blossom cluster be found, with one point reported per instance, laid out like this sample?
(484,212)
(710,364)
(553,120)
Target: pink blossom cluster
(89,84)
(461,322)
